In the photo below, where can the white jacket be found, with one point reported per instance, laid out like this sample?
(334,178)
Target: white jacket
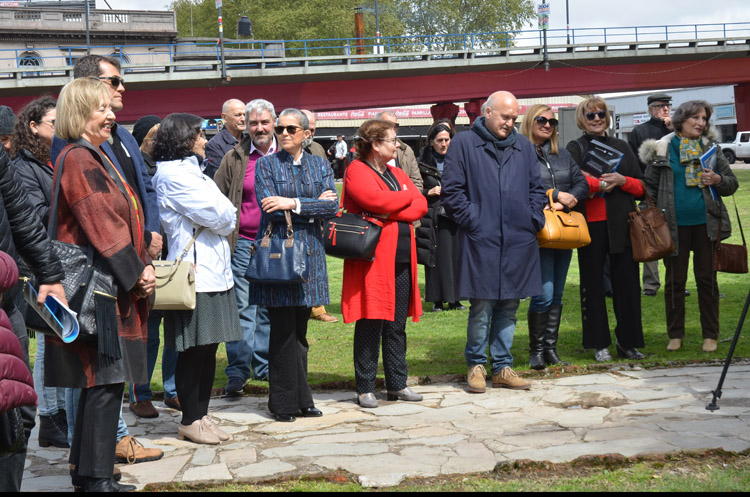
(187,200)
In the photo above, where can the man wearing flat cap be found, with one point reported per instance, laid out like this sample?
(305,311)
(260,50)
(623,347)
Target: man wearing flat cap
(660,124)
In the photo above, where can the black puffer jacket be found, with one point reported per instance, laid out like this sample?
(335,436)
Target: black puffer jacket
(426,233)
(22,233)
(37,181)
(561,173)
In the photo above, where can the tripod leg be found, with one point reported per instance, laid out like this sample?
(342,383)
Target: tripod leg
(717,393)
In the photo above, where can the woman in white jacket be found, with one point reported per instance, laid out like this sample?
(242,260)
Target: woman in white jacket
(189,200)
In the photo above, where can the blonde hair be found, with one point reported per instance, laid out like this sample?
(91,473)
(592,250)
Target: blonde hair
(528,121)
(76,102)
(591,104)
(150,136)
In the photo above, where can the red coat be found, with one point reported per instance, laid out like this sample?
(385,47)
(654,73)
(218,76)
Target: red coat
(369,288)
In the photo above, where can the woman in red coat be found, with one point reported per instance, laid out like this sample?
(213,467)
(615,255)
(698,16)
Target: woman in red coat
(379,295)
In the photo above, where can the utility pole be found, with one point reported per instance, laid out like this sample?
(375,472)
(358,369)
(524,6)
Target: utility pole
(221,43)
(88,41)
(567,21)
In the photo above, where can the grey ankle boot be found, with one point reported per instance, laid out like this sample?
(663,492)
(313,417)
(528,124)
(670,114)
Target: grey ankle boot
(537,325)
(550,336)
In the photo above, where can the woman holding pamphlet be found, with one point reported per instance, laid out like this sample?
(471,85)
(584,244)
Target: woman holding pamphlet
(613,175)
(686,175)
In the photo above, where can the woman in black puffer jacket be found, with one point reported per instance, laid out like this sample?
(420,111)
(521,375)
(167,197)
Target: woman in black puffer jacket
(561,174)
(436,237)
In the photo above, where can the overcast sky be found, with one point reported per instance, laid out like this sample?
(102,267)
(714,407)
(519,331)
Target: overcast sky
(587,13)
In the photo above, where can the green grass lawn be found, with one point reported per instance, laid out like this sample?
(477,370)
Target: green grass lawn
(436,343)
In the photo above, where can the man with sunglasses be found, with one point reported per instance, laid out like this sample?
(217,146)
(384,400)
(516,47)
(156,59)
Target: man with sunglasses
(124,153)
(493,190)
(660,124)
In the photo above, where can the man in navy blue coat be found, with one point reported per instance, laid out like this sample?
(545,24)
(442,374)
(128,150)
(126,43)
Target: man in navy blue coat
(493,190)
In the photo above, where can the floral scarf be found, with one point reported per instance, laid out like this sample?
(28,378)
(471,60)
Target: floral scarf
(690,157)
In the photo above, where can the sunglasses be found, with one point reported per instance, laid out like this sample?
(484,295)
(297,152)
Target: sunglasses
(542,121)
(593,115)
(291,129)
(115,81)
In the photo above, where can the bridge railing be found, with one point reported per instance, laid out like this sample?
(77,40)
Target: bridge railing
(205,54)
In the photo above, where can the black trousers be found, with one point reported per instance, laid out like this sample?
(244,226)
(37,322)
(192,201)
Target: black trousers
(693,238)
(194,376)
(368,334)
(439,280)
(95,433)
(287,360)
(625,285)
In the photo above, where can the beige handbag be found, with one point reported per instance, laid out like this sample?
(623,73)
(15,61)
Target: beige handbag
(175,282)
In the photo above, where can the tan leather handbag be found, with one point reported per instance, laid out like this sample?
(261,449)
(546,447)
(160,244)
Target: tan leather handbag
(175,282)
(649,233)
(563,230)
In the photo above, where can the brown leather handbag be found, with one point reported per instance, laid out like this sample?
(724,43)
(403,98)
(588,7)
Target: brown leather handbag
(731,258)
(649,233)
(563,230)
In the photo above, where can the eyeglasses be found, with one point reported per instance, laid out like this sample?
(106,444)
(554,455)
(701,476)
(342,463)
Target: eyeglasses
(593,115)
(115,81)
(291,129)
(392,141)
(542,121)
(50,122)
(659,106)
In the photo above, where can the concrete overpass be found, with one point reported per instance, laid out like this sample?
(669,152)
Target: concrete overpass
(424,75)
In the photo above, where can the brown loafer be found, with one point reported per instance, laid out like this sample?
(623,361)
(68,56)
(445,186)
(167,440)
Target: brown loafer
(173,403)
(326,318)
(143,409)
(132,451)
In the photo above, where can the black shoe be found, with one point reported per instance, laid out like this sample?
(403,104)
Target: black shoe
(234,386)
(103,485)
(631,353)
(687,293)
(53,430)
(648,292)
(437,307)
(456,306)
(609,294)
(311,412)
(285,418)
(77,481)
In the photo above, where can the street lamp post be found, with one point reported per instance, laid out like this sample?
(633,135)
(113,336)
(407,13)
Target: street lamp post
(88,41)
(567,21)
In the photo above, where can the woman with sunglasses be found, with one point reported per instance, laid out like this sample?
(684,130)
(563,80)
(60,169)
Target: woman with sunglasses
(380,294)
(436,237)
(295,181)
(561,174)
(690,197)
(611,199)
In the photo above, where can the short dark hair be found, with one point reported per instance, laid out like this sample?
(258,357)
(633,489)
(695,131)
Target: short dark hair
(176,136)
(23,138)
(90,66)
(689,109)
(371,131)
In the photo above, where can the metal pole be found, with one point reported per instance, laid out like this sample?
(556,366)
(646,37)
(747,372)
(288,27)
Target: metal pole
(221,42)
(191,20)
(546,61)
(88,41)
(377,24)
(567,21)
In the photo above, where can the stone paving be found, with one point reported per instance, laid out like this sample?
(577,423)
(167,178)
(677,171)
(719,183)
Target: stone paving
(624,410)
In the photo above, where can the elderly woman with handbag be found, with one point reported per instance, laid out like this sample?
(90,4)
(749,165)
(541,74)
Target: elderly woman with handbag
(380,294)
(98,209)
(690,194)
(561,174)
(196,218)
(611,198)
(295,191)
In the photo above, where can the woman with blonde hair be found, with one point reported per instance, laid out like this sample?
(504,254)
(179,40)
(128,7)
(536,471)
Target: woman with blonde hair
(561,174)
(611,198)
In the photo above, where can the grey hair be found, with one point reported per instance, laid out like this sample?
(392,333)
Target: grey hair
(382,113)
(301,117)
(225,107)
(258,106)
(483,109)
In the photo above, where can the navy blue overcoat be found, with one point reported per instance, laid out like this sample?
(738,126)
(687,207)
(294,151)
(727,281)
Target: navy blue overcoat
(498,207)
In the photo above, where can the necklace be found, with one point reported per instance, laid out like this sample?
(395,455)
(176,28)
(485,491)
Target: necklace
(389,180)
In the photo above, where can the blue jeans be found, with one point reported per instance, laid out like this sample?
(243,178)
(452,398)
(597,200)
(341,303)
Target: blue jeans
(554,265)
(493,322)
(248,357)
(72,395)
(51,399)
(141,392)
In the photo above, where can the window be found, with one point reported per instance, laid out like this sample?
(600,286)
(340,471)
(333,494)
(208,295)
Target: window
(29,59)
(745,137)
(27,15)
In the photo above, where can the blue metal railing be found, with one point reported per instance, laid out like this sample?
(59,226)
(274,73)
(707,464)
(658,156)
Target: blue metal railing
(323,51)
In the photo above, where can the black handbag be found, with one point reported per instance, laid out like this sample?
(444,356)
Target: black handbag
(728,257)
(278,261)
(351,236)
(91,291)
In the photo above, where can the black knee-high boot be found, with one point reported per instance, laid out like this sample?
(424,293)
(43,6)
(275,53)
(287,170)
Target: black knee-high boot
(550,336)
(537,326)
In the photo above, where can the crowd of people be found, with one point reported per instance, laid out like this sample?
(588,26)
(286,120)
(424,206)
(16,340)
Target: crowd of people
(467,207)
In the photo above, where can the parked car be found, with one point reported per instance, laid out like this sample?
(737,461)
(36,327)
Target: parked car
(739,149)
